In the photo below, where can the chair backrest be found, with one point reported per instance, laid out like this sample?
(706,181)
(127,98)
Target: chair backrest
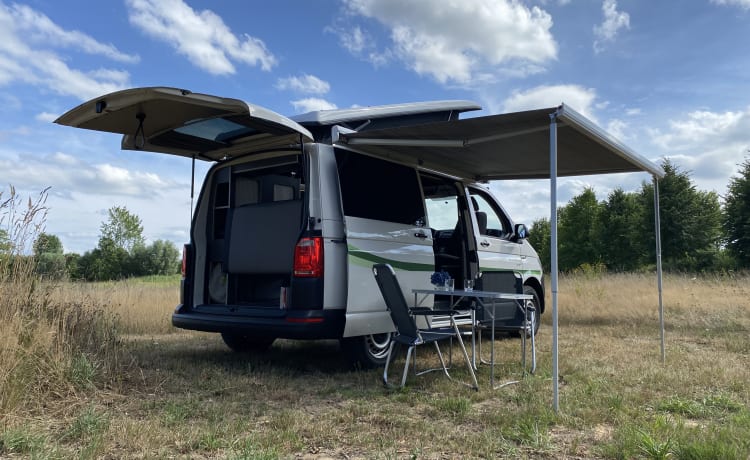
(394,300)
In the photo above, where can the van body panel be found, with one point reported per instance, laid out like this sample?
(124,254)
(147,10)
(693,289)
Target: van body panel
(370,242)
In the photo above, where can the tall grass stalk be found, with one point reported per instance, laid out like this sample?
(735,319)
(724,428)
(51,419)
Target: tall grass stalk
(42,340)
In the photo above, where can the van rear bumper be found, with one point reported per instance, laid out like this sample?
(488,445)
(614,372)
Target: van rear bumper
(294,324)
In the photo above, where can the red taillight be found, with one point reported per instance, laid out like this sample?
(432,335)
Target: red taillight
(308,258)
(184,260)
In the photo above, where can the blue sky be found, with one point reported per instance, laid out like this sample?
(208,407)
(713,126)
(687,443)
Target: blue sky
(668,78)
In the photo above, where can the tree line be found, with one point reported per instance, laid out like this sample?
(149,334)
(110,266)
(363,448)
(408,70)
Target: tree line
(698,233)
(120,253)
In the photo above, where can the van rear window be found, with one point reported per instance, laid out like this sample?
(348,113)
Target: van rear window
(379,190)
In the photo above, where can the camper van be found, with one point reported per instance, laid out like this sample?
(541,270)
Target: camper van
(294,212)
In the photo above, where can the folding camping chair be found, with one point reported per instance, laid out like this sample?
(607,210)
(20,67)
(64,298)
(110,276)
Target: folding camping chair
(407,332)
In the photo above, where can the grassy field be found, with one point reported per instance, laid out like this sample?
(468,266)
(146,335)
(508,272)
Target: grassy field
(162,393)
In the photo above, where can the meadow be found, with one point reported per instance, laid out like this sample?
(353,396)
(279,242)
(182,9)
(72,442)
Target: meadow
(97,371)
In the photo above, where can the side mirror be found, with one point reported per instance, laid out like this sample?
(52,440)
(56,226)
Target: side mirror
(520,233)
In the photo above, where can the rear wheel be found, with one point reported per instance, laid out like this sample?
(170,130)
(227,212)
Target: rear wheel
(367,351)
(243,343)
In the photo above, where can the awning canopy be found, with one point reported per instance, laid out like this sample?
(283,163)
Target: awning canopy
(505,146)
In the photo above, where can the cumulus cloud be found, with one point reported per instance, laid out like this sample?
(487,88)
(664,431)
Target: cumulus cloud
(201,36)
(46,117)
(307,84)
(613,21)
(710,144)
(311,104)
(454,42)
(27,42)
(65,173)
(40,29)
(744,4)
(618,129)
(577,97)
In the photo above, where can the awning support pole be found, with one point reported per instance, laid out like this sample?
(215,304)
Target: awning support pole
(553,256)
(657,224)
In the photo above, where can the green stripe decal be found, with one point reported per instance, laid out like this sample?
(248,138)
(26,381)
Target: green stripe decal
(367,259)
(523,272)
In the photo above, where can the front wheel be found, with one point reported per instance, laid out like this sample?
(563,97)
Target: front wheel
(366,351)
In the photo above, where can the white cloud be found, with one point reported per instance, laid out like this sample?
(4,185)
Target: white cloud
(26,41)
(311,104)
(307,84)
(46,117)
(66,173)
(618,129)
(577,97)
(744,4)
(202,36)
(613,21)
(456,42)
(709,144)
(40,29)
(353,39)
(703,127)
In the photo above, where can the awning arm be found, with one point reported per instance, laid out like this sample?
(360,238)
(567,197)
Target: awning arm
(449,143)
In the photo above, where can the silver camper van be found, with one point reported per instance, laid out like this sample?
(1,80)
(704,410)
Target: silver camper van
(291,217)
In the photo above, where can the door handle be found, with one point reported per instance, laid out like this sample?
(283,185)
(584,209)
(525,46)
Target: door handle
(421,235)
(485,243)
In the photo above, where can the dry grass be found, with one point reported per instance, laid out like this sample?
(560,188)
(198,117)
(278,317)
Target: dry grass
(142,306)
(186,396)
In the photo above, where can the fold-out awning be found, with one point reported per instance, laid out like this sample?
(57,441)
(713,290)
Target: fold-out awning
(505,146)
(536,144)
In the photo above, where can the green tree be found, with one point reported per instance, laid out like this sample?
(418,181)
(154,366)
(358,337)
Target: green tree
(120,236)
(690,221)
(539,237)
(159,258)
(47,243)
(737,215)
(122,228)
(578,233)
(48,254)
(621,223)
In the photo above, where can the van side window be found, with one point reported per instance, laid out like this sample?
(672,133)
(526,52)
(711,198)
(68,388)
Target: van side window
(498,225)
(379,190)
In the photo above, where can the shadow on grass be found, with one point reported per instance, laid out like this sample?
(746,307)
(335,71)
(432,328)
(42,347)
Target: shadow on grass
(191,352)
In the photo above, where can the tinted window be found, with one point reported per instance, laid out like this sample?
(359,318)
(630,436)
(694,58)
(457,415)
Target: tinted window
(377,189)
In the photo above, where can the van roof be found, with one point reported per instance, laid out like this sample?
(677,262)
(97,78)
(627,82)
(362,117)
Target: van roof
(445,110)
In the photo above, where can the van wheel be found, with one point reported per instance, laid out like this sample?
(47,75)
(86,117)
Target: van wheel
(537,316)
(367,351)
(243,343)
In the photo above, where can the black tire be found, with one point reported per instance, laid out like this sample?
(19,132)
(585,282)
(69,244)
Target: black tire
(537,305)
(367,351)
(242,343)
